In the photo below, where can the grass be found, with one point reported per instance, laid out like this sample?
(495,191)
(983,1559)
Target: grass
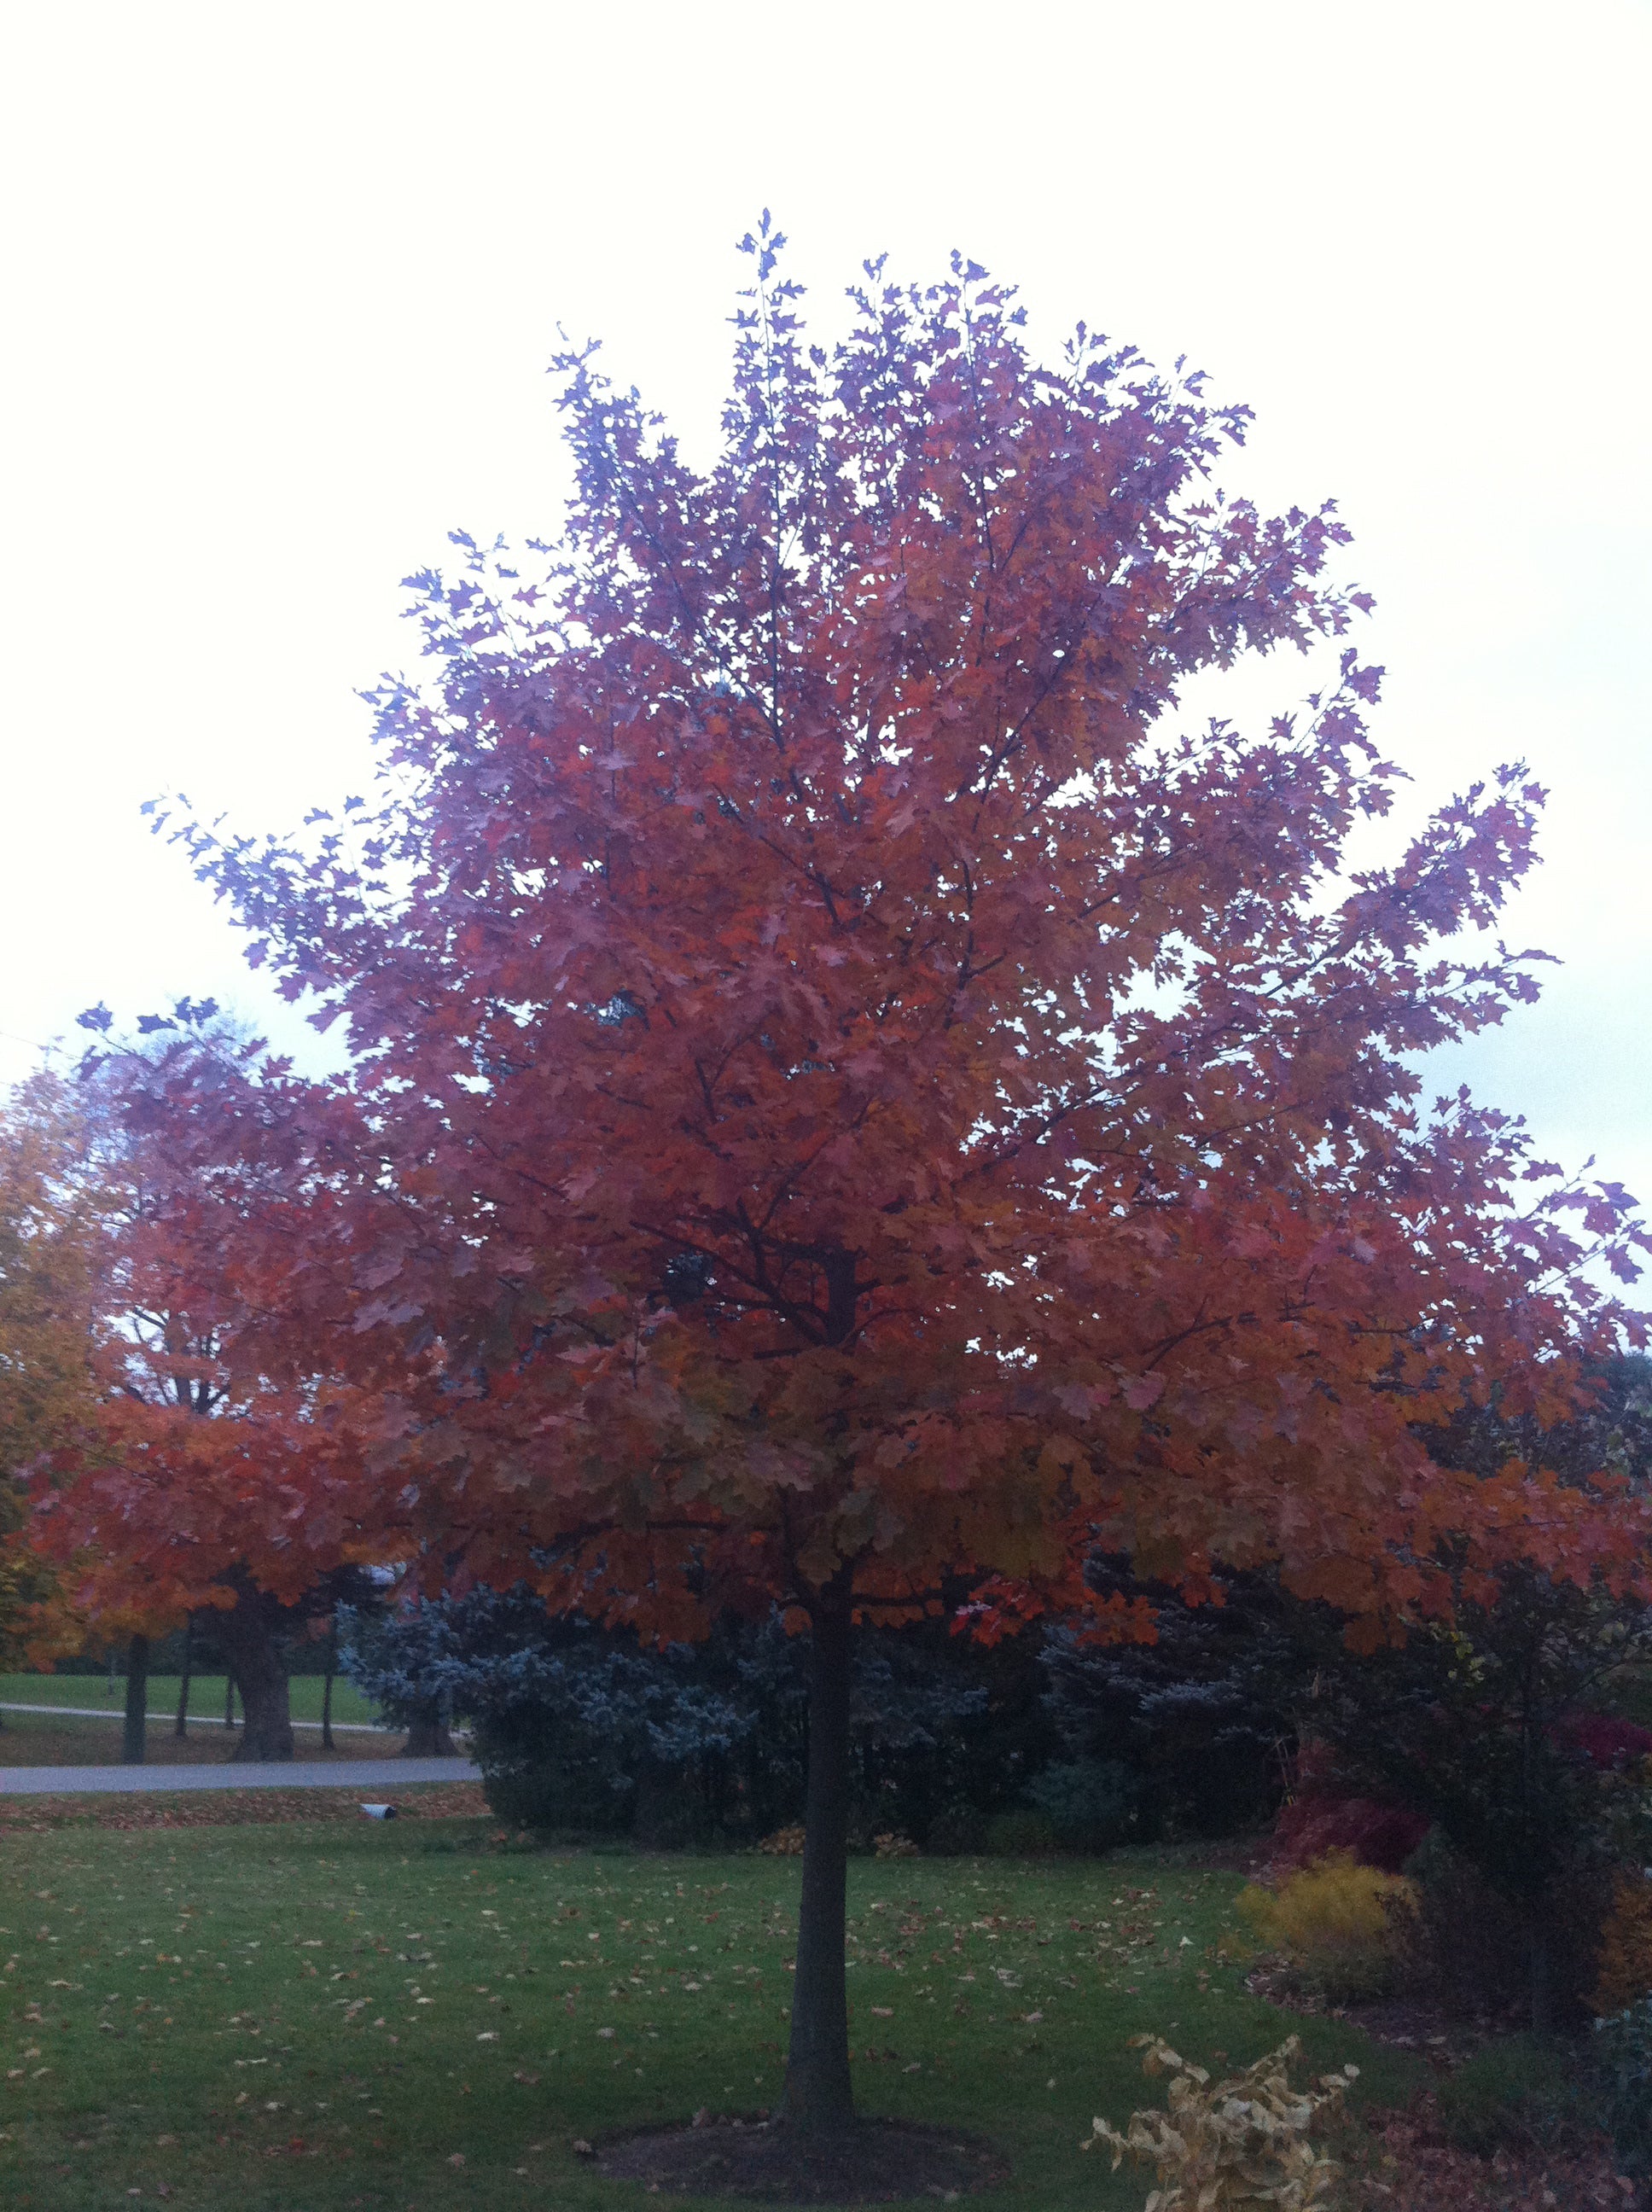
(206,1696)
(83,1739)
(324,2016)
(44,1740)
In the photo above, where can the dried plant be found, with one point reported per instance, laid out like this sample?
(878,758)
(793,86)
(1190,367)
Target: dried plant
(1243,2141)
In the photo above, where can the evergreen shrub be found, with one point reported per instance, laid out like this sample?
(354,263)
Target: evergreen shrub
(1025,1835)
(1091,1804)
(1517,2092)
(1622,2053)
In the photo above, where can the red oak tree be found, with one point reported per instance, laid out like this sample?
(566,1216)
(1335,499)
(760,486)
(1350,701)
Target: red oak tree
(856,1094)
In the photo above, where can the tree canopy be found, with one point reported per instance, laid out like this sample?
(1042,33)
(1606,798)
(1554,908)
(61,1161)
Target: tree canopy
(52,1263)
(858,1094)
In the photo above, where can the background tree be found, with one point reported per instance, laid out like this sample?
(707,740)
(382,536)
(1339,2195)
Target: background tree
(51,1262)
(855,1091)
(186,1492)
(1509,1727)
(578,1727)
(1203,1719)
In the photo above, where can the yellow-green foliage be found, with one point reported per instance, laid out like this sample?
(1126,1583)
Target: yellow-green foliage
(1244,2141)
(1340,1923)
(1624,1972)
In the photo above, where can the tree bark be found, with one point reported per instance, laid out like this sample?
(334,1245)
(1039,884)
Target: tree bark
(137,1701)
(247,1636)
(180,1726)
(229,1695)
(1540,1983)
(427,1734)
(326,1687)
(819,2094)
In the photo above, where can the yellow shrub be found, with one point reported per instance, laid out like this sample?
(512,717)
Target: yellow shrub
(1340,1923)
(1624,1970)
(1242,2141)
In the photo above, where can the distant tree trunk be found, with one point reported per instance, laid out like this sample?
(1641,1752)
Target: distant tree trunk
(180,1726)
(229,1695)
(1541,1984)
(326,1686)
(248,1634)
(427,1734)
(819,2094)
(137,1701)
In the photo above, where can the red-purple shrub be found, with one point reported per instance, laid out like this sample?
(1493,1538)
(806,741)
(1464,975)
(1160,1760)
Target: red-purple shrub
(1382,1836)
(1604,1739)
(1319,1817)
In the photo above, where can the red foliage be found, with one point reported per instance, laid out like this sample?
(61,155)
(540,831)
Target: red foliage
(856,1094)
(1604,1739)
(848,1081)
(1377,1835)
(1410,2168)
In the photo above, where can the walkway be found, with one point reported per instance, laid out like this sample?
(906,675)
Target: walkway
(197,1720)
(380,1778)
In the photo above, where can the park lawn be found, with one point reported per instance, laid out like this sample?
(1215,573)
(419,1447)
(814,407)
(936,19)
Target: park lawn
(46,1740)
(324,2016)
(206,1695)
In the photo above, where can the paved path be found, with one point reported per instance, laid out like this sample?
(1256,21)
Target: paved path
(200,1720)
(380,1778)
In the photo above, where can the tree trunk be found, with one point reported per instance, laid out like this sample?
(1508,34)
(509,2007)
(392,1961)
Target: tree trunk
(1540,1983)
(326,1686)
(180,1726)
(427,1734)
(818,2092)
(137,1701)
(247,1635)
(229,1695)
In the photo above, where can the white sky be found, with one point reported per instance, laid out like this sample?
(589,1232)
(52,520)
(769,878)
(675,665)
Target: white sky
(279,285)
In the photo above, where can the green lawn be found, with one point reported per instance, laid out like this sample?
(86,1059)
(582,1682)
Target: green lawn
(341,2016)
(67,1739)
(206,1695)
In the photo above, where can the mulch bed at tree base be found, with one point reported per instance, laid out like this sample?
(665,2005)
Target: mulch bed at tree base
(1413,2168)
(1420,2023)
(1412,2165)
(875,2162)
(236,1808)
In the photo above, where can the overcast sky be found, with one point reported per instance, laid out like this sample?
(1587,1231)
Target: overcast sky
(280,285)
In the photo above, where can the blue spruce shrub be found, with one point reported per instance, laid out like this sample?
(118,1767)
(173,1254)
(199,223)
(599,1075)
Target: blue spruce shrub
(1624,2060)
(1091,1804)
